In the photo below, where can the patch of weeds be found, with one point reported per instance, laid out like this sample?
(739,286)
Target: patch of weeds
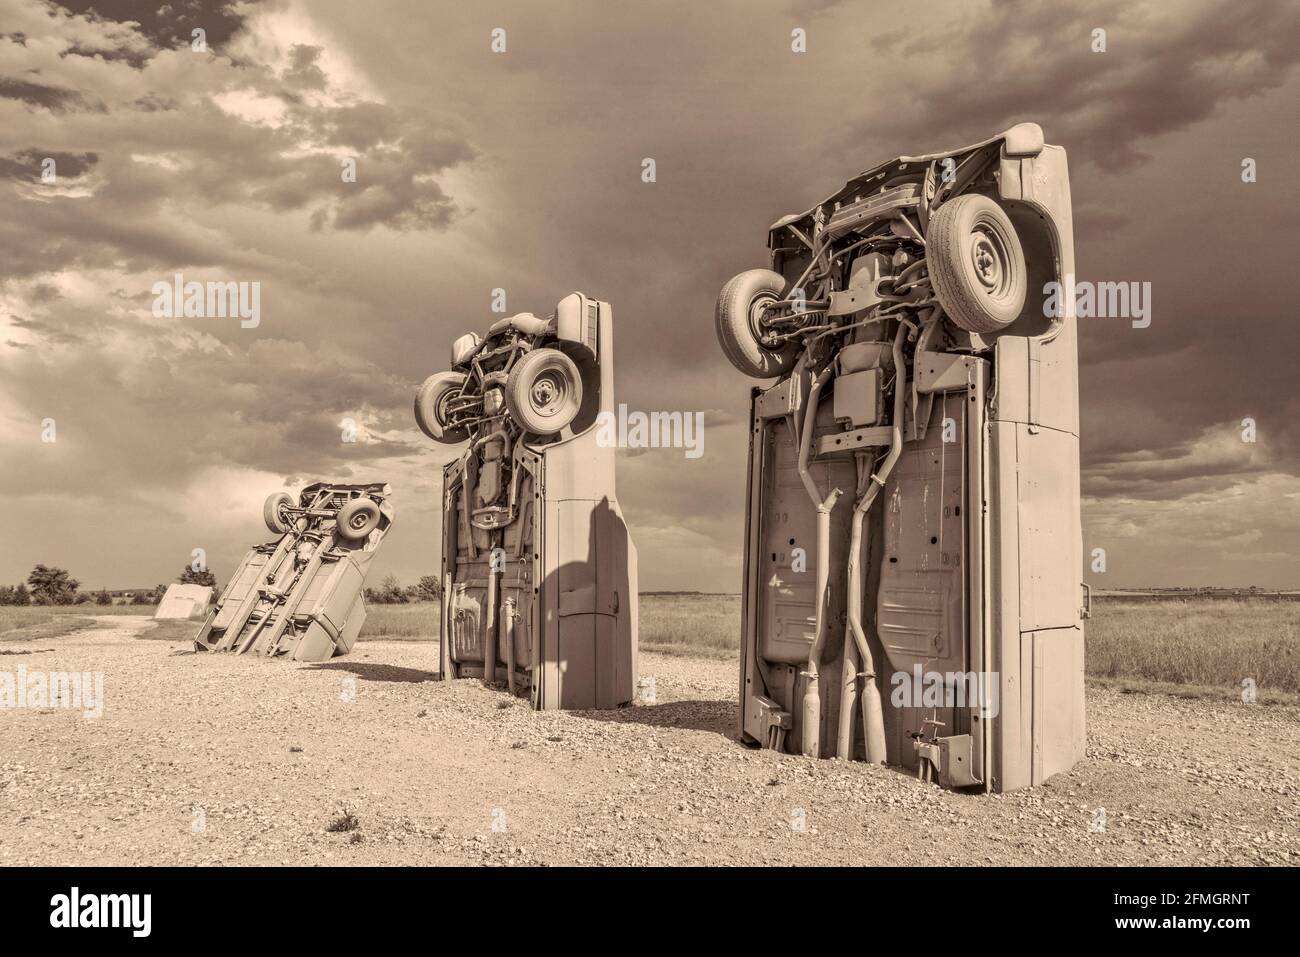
(346,821)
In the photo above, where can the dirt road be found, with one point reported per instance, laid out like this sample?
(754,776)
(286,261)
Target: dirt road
(214,759)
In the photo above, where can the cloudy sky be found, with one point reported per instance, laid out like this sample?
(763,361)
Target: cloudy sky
(522,171)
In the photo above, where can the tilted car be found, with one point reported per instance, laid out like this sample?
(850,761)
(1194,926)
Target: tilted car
(300,596)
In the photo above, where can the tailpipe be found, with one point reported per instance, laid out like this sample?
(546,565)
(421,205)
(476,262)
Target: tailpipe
(810,726)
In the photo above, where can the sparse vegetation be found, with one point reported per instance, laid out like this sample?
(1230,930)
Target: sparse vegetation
(15,595)
(1203,643)
(691,624)
(412,621)
(37,624)
(344,822)
(389,592)
(50,621)
(190,576)
(1206,643)
(1209,643)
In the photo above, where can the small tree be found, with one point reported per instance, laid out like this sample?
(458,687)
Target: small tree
(429,588)
(52,586)
(21,597)
(102,597)
(191,577)
(6,594)
(143,598)
(392,591)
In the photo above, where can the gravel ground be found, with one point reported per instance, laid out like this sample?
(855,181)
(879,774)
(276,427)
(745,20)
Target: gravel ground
(216,759)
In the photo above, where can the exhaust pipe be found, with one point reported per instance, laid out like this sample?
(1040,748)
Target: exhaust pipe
(508,640)
(848,695)
(490,625)
(873,719)
(810,726)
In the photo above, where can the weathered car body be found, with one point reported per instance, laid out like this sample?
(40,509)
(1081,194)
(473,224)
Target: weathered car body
(300,596)
(913,534)
(539,571)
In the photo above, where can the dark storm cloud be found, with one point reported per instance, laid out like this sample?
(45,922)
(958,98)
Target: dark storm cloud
(40,95)
(303,72)
(27,164)
(166,23)
(170,144)
(44,331)
(1165,67)
(275,406)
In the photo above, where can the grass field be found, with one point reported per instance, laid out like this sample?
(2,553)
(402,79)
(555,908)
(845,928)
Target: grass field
(1212,643)
(414,622)
(1207,643)
(32,622)
(683,624)
(1203,643)
(691,624)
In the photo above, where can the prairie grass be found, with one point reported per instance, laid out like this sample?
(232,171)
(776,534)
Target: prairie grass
(33,623)
(1204,643)
(685,624)
(1207,643)
(1210,643)
(691,624)
(417,621)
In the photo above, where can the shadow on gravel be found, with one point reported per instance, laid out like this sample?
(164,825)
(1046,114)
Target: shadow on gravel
(375,672)
(716,716)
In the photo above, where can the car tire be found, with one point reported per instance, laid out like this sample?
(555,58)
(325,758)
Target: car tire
(544,391)
(272,512)
(430,407)
(737,327)
(357,519)
(976,263)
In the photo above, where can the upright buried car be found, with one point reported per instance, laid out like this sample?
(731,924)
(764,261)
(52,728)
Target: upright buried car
(539,573)
(300,596)
(913,546)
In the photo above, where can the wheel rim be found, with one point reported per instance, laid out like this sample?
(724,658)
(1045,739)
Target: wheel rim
(282,514)
(548,394)
(757,306)
(359,520)
(990,261)
(440,409)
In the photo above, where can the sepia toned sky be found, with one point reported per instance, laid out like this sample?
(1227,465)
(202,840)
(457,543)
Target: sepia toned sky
(522,171)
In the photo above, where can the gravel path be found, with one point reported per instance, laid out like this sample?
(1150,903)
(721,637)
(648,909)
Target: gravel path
(216,759)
